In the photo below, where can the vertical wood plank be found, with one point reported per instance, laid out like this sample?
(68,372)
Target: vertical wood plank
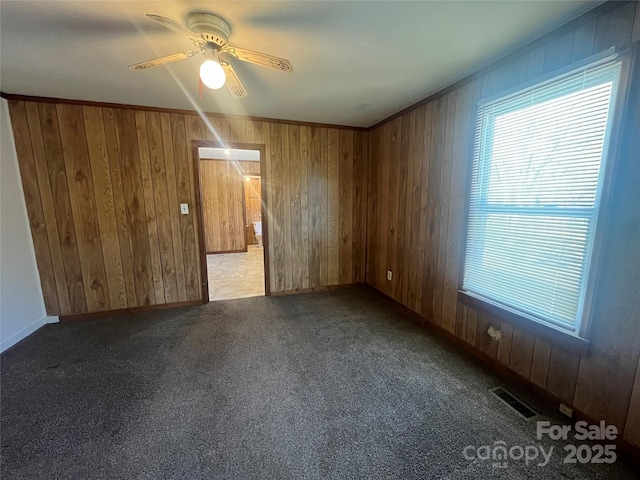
(558,52)
(324,208)
(383,205)
(208,175)
(226,201)
(236,130)
(583,41)
(83,206)
(348,191)
(276,233)
(181,158)
(425,164)
(34,206)
(457,186)
(161,200)
(615,28)
(213,132)
(295,207)
(174,204)
(333,207)
(522,345)
(413,261)
(432,237)
(403,176)
(124,240)
(371,270)
(234,181)
(305,224)
(107,222)
(410,248)
(134,205)
(562,375)
(210,206)
(222,199)
(196,128)
(314,189)
(249,132)
(253,191)
(149,207)
(62,206)
(286,208)
(359,200)
(535,64)
(472,326)
(540,362)
(484,342)
(461,320)
(46,196)
(391,231)
(505,344)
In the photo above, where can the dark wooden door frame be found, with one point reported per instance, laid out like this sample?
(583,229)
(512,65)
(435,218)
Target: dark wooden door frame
(195,145)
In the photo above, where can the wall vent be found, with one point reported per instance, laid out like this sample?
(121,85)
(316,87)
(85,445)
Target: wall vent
(515,404)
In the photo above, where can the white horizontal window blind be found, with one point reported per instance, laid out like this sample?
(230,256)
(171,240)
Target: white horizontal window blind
(537,174)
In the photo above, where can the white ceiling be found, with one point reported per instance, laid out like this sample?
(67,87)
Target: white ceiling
(230,153)
(355,63)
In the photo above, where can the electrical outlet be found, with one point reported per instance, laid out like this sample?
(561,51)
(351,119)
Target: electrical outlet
(566,410)
(389,275)
(184,208)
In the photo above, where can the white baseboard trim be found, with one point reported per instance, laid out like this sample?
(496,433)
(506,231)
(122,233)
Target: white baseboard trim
(25,332)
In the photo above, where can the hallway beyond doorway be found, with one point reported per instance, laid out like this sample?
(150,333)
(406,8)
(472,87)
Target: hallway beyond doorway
(236,275)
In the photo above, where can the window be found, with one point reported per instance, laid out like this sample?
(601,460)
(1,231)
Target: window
(537,176)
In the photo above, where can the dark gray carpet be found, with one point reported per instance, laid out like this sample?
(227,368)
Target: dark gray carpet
(323,385)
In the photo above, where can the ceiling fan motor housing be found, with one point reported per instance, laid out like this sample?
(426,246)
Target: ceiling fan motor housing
(210,27)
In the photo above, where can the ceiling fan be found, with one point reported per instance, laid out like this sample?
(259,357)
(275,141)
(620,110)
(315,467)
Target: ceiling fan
(210,34)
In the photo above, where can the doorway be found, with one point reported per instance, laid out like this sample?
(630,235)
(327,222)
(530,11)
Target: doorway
(233,234)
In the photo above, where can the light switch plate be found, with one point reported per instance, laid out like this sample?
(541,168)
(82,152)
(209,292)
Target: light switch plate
(184,208)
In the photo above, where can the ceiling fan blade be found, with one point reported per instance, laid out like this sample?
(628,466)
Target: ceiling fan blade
(262,59)
(176,27)
(233,82)
(174,57)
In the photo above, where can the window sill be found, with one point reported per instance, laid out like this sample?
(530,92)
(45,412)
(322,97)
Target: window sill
(554,335)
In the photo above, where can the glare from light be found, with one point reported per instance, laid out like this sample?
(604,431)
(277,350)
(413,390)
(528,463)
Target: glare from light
(212,74)
(227,151)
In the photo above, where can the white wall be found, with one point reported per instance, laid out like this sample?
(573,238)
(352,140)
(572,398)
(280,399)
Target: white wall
(21,305)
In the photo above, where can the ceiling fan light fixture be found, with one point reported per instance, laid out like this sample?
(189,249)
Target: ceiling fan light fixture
(209,33)
(212,74)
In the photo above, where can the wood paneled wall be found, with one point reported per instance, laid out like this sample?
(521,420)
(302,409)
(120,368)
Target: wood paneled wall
(252,200)
(418,171)
(103,188)
(222,187)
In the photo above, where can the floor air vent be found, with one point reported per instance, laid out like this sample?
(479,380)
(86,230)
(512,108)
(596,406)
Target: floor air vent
(515,404)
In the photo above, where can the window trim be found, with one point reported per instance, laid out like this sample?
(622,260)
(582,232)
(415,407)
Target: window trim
(577,341)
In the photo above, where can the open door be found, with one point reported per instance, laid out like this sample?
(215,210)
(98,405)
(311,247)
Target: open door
(231,197)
